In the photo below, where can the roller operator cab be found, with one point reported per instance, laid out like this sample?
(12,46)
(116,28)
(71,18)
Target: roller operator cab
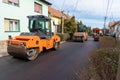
(28,45)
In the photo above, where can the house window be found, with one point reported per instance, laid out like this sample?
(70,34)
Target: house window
(11,25)
(38,8)
(12,2)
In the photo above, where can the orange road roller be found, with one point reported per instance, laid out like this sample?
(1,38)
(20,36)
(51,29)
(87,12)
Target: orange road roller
(96,37)
(29,45)
(80,36)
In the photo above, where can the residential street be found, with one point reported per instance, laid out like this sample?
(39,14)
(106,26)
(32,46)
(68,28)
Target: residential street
(60,40)
(50,65)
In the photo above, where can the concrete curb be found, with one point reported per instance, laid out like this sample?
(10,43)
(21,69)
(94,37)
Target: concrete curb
(3,51)
(62,42)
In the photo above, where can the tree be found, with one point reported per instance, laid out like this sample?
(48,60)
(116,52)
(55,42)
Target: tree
(70,25)
(79,24)
(89,30)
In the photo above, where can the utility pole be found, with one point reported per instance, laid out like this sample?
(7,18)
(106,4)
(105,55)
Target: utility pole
(62,22)
(104,31)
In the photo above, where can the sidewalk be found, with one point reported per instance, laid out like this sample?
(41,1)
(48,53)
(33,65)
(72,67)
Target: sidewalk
(3,49)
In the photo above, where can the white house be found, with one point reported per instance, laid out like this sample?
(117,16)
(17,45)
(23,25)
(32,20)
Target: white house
(115,29)
(56,16)
(13,15)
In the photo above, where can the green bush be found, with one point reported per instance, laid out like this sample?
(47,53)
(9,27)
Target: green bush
(64,37)
(104,63)
(107,42)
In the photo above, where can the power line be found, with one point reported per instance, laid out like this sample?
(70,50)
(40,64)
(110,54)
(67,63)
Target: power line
(111,17)
(106,14)
(110,14)
(107,8)
(75,6)
(62,5)
(110,6)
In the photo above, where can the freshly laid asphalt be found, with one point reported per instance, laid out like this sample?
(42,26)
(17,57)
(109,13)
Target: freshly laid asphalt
(50,65)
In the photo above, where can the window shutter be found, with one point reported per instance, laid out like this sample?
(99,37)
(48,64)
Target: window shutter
(14,1)
(40,9)
(37,7)
(6,25)
(6,1)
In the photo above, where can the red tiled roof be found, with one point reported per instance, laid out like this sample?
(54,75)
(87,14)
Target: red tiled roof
(111,24)
(54,12)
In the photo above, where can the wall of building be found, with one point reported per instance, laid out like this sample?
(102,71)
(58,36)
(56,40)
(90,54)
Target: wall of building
(57,21)
(25,8)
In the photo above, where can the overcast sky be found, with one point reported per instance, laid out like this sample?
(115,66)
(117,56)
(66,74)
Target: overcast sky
(91,12)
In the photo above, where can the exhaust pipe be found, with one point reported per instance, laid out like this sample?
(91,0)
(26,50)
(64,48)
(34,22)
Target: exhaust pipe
(10,39)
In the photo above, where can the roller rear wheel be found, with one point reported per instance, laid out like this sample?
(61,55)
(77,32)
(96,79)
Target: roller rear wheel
(32,54)
(56,45)
(83,40)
